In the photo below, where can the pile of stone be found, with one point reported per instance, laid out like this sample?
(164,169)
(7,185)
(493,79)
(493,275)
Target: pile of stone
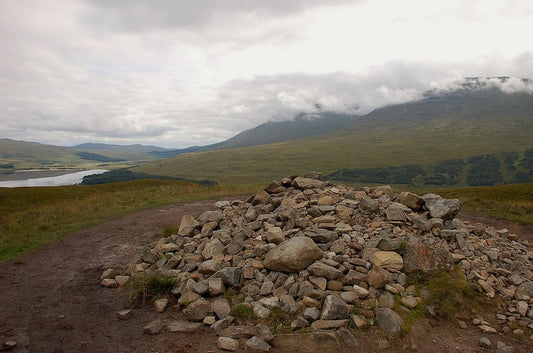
(319,251)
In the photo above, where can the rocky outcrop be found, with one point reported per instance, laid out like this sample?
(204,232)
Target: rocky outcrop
(319,252)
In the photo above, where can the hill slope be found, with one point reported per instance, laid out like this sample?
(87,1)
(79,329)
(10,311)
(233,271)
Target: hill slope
(304,125)
(16,155)
(459,124)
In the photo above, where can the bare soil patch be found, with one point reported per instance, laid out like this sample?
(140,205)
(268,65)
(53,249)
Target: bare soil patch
(52,300)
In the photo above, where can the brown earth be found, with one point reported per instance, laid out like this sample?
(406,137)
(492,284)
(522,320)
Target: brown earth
(52,300)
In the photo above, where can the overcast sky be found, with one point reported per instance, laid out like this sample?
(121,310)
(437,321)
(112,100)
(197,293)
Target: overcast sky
(176,73)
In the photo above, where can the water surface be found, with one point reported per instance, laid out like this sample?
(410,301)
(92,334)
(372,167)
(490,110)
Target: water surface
(65,179)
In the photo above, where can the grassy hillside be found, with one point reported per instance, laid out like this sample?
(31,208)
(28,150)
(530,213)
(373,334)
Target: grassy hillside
(461,124)
(31,217)
(17,155)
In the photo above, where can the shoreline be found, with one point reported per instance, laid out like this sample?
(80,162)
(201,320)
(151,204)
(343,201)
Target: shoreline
(36,173)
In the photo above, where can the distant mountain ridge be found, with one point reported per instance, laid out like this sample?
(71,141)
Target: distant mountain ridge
(303,125)
(453,124)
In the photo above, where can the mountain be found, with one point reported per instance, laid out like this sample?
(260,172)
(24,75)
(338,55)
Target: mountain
(136,148)
(444,125)
(304,125)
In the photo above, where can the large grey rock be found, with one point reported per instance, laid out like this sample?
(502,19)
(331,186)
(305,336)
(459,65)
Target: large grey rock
(274,235)
(439,207)
(211,216)
(334,308)
(221,307)
(293,255)
(388,320)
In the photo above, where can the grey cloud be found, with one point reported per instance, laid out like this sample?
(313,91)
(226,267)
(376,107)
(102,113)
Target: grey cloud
(139,15)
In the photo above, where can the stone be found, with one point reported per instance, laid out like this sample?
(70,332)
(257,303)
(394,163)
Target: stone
(183,326)
(221,307)
(525,289)
(122,280)
(359,321)
(209,267)
(307,183)
(387,259)
(322,270)
(522,307)
(197,310)
(275,235)
(161,304)
(378,277)
(231,276)
(334,308)
(328,324)
(323,342)
(256,344)
(109,283)
(409,301)
(263,332)
(397,212)
(413,201)
(237,332)
(439,207)
(347,339)
(293,255)
(388,321)
(228,344)
(212,248)
(488,329)
(153,328)
(361,292)
(124,314)
(419,257)
(311,313)
(262,197)
(216,286)
(368,205)
(261,312)
(187,226)
(300,322)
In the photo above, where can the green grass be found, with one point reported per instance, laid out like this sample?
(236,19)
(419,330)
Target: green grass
(511,202)
(32,217)
(150,286)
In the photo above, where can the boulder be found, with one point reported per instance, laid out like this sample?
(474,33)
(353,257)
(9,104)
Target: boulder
(439,207)
(187,226)
(368,205)
(293,255)
(388,320)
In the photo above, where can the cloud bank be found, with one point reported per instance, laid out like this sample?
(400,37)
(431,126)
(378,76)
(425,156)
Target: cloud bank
(180,73)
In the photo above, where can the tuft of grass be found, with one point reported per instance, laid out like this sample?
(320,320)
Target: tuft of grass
(169,230)
(145,287)
(33,216)
(244,311)
(450,292)
(279,320)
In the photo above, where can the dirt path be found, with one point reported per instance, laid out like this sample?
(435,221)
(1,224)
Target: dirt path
(52,300)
